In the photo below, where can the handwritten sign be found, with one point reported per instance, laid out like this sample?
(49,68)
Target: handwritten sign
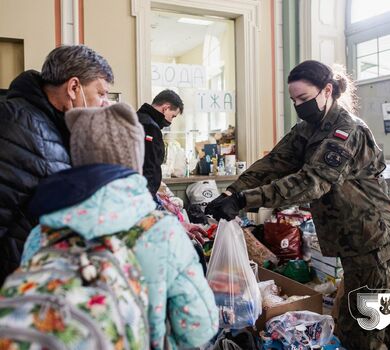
(215,101)
(178,75)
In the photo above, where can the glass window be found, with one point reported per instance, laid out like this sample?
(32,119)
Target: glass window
(384,43)
(367,47)
(364,9)
(367,67)
(373,58)
(384,63)
(195,57)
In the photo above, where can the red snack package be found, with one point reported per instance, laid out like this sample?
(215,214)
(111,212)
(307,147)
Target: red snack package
(284,240)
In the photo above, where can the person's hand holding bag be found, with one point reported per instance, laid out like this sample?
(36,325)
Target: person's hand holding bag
(213,206)
(227,207)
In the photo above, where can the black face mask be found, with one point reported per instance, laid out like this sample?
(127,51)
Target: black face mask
(309,111)
(165,123)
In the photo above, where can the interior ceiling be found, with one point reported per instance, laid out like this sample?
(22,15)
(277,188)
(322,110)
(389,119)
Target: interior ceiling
(170,38)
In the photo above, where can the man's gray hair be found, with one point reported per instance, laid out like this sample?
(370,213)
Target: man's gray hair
(79,61)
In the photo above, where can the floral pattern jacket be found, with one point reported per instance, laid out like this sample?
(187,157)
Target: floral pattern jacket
(178,293)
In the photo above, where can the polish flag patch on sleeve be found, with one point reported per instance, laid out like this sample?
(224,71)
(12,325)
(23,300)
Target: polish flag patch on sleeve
(341,134)
(149,138)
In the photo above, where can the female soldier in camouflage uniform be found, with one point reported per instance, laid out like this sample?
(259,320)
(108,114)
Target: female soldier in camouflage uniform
(331,160)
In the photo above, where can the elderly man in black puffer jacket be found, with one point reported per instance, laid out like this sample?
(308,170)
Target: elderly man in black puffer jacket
(34,140)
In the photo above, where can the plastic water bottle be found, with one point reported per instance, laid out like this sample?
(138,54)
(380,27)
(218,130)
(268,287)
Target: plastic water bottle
(221,167)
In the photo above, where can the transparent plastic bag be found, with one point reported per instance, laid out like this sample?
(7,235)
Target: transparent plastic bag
(257,251)
(306,246)
(270,294)
(231,278)
(302,328)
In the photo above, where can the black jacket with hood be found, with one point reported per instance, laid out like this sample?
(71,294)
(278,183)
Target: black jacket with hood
(153,121)
(34,143)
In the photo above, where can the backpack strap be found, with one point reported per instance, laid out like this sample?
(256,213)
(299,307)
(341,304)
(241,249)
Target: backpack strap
(130,236)
(54,236)
(68,238)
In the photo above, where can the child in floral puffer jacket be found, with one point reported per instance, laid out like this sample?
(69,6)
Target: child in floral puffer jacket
(179,295)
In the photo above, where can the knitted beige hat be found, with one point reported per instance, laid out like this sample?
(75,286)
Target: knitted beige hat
(110,134)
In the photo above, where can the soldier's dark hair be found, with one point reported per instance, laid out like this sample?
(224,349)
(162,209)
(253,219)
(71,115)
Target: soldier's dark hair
(171,97)
(319,74)
(79,61)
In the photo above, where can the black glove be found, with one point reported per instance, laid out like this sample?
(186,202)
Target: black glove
(214,205)
(229,206)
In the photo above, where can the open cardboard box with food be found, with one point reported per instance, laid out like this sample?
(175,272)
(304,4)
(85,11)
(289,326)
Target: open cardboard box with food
(288,287)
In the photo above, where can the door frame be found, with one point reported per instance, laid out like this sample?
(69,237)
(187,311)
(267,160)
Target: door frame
(246,14)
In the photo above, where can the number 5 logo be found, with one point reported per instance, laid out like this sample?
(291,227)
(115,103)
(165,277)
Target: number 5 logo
(375,305)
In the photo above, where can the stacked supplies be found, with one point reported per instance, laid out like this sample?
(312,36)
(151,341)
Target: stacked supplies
(328,271)
(326,268)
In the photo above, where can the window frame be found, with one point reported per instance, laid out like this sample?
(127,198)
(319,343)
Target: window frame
(249,91)
(358,32)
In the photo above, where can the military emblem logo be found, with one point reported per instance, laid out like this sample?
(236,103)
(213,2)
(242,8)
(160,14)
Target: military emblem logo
(374,305)
(332,158)
(385,308)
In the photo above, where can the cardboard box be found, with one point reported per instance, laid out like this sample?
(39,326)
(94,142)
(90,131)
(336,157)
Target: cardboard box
(289,287)
(336,272)
(333,261)
(328,301)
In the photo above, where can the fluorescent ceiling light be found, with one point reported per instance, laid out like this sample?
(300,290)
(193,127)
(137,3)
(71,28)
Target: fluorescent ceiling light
(200,22)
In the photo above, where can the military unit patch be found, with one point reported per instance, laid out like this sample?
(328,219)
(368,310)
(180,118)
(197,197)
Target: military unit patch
(338,149)
(341,134)
(332,158)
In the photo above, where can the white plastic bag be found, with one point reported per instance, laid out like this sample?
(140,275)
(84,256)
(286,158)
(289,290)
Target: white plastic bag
(175,164)
(270,294)
(202,192)
(302,328)
(231,278)
(179,166)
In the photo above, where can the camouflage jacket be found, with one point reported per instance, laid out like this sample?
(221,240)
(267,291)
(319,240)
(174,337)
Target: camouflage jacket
(336,167)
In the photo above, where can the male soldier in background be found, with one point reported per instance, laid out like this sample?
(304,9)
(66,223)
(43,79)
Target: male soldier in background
(34,140)
(331,160)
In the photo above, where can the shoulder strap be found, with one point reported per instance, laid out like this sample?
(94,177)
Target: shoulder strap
(145,224)
(64,234)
